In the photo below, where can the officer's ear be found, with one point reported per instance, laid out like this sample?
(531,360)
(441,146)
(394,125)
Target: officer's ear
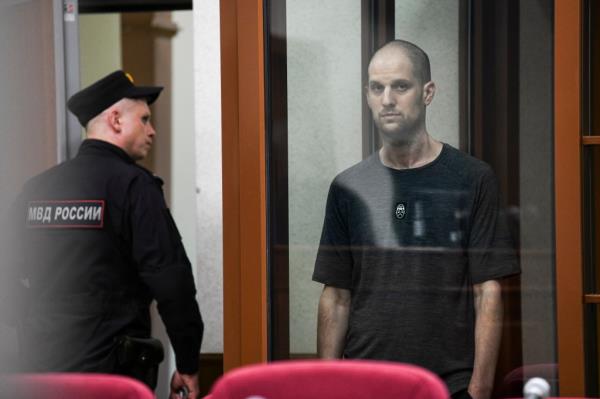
(114,120)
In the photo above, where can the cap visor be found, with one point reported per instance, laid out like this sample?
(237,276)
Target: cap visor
(150,93)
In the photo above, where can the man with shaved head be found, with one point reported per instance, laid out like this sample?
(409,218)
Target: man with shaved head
(97,244)
(413,244)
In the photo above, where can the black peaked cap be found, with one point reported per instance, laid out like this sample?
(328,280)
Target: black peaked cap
(97,97)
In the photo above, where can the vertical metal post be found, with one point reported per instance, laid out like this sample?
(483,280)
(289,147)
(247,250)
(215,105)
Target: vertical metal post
(66,64)
(59,73)
(378,26)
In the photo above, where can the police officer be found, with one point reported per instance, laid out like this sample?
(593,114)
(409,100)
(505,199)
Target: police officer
(99,243)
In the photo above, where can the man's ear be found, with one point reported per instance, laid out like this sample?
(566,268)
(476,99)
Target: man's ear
(114,120)
(367,97)
(428,92)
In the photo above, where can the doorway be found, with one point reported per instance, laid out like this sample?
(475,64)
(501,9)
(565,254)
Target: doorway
(154,43)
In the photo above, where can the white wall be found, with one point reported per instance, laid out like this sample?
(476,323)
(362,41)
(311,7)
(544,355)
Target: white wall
(99,46)
(183,162)
(324,137)
(207,87)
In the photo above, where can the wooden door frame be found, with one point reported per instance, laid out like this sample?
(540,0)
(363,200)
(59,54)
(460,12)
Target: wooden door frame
(244,188)
(568,212)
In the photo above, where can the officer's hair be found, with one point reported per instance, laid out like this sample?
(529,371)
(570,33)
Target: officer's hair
(93,121)
(416,55)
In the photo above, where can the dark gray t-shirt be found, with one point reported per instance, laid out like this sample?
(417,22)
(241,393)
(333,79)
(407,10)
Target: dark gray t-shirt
(409,245)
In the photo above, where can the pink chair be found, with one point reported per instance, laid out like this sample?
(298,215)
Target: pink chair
(329,379)
(72,386)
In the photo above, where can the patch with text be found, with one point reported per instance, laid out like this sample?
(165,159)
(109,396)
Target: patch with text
(72,214)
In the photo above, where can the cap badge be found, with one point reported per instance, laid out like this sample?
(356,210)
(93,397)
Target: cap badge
(129,77)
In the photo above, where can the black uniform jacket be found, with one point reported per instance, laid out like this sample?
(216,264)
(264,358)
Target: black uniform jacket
(98,244)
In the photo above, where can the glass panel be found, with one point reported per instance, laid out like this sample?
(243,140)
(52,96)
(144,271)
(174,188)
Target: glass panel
(28,70)
(534,217)
(591,218)
(434,25)
(492,67)
(324,75)
(324,137)
(593,39)
(591,193)
(28,138)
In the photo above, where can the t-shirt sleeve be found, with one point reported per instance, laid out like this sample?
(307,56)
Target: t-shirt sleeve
(491,251)
(165,269)
(334,258)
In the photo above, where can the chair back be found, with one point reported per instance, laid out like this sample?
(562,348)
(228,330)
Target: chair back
(72,386)
(329,379)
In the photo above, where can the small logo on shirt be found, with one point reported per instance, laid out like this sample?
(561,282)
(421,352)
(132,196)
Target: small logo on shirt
(66,214)
(400,210)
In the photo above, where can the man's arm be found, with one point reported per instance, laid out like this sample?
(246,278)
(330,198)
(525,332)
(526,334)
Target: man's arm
(334,310)
(488,331)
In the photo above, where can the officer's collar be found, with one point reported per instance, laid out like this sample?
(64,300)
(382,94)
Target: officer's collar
(100,147)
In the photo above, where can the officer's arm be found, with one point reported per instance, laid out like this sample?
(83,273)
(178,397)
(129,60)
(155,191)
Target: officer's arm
(165,269)
(173,289)
(488,331)
(334,310)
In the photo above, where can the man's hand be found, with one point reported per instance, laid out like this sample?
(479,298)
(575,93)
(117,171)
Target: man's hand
(181,382)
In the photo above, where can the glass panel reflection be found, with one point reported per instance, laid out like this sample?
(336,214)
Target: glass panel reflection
(408,213)
(593,41)
(591,219)
(324,137)
(591,193)
(434,25)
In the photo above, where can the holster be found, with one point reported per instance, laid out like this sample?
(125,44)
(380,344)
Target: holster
(139,358)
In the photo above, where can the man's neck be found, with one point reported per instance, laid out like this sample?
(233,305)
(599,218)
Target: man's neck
(411,154)
(103,135)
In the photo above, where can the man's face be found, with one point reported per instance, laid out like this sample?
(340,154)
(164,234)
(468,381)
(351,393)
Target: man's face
(137,131)
(396,97)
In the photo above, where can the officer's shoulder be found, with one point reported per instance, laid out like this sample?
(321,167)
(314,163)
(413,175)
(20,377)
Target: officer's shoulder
(125,172)
(145,175)
(44,176)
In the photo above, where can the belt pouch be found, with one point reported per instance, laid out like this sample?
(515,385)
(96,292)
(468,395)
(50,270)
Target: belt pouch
(139,358)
